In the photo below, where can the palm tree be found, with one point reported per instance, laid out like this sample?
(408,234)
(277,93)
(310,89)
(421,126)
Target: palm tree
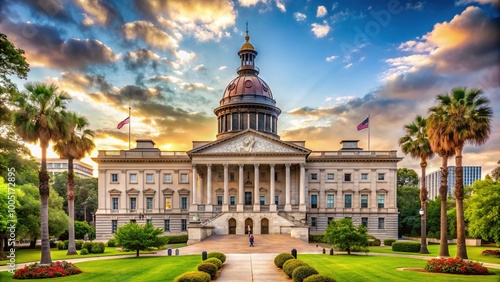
(76,146)
(416,143)
(464,117)
(41,117)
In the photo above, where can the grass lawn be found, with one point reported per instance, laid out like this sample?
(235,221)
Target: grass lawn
(474,253)
(373,268)
(128,269)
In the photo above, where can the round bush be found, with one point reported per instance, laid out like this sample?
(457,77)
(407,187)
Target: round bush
(88,246)
(84,252)
(209,268)
(290,265)
(318,278)
(215,261)
(302,272)
(218,255)
(388,242)
(193,276)
(112,242)
(409,247)
(97,248)
(78,244)
(60,245)
(280,259)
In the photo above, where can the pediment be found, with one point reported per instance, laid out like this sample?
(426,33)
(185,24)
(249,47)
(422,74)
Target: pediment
(183,191)
(250,142)
(114,192)
(132,191)
(365,190)
(149,191)
(167,191)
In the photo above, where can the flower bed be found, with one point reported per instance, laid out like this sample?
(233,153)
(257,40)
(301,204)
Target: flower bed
(455,266)
(495,253)
(55,269)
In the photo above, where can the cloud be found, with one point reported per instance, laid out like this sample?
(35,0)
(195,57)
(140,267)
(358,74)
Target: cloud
(150,34)
(280,5)
(164,78)
(299,16)
(321,12)
(200,67)
(195,86)
(102,12)
(348,65)
(414,6)
(331,58)
(53,9)
(320,30)
(221,68)
(140,59)
(465,2)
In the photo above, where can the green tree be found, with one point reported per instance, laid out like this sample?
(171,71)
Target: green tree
(408,206)
(41,116)
(6,200)
(85,191)
(483,210)
(433,218)
(78,144)
(407,177)
(462,116)
(495,173)
(12,63)
(137,238)
(343,235)
(416,143)
(82,228)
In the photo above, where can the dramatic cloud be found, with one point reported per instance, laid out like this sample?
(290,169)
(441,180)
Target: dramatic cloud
(150,34)
(320,30)
(321,12)
(280,5)
(53,9)
(195,86)
(101,12)
(299,16)
(141,58)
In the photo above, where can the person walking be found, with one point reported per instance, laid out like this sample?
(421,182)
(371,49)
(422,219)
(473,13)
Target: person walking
(252,239)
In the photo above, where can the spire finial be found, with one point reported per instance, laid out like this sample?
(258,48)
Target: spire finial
(247,37)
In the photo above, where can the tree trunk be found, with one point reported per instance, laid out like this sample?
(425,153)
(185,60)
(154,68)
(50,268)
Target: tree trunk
(44,207)
(459,196)
(2,236)
(71,208)
(137,254)
(423,200)
(443,193)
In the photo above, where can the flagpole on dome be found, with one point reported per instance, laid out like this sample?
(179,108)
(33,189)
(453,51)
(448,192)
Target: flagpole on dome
(129,125)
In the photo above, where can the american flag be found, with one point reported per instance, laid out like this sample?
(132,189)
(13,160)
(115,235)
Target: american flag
(364,124)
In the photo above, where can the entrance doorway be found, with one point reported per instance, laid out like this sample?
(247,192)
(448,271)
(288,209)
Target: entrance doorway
(264,226)
(232,226)
(248,198)
(248,226)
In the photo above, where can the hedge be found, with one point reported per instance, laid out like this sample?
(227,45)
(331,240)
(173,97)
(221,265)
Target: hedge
(290,265)
(280,259)
(318,278)
(220,256)
(302,272)
(409,247)
(177,239)
(209,268)
(78,244)
(112,242)
(215,261)
(388,242)
(316,238)
(193,276)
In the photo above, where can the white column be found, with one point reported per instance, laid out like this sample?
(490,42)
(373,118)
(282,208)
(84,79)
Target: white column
(208,207)
(241,189)
(194,205)
(225,206)
(302,188)
(272,206)
(256,202)
(288,207)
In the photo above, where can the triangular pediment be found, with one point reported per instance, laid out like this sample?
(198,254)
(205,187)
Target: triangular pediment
(250,142)
(132,191)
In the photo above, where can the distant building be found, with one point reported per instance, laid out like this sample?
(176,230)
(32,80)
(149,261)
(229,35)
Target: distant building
(433,180)
(56,165)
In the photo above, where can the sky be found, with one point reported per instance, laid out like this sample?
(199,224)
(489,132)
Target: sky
(329,65)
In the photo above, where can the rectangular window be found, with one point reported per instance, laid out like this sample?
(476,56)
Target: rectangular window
(133,178)
(133,203)
(231,177)
(149,178)
(381,201)
(364,176)
(314,176)
(114,203)
(381,223)
(314,201)
(330,176)
(275,176)
(167,178)
(114,225)
(381,176)
(114,177)
(348,201)
(236,121)
(253,124)
(149,221)
(184,178)
(219,200)
(167,225)
(184,203)
(168,203)
(262,200)
(364,221)
(149,203)
(261,122)
(183,224)
(364,200)
(276,199)
(330,201)
(314,221)
(232,200)
(347,177)
(268,123)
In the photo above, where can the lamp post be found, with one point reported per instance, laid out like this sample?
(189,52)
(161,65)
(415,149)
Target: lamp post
(423,230)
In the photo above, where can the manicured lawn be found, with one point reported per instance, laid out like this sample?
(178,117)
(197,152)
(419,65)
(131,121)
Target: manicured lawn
(474,253)
(373,268)
(128,269)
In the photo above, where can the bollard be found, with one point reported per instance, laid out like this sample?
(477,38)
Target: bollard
(324,251)
(176,252)
(294,253)
(331,252)
(204,255)
(169,251)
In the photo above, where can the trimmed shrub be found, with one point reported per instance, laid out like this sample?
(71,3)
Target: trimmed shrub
(97,248)
(316,238)
(456,266)
(112,242)
(84,252)
(409,247)
(60,245)
(302,272)
(78,244)
(220,256)
(88,246)
(388,242)
(193,276)
(177,239)
(280,259)
(215,261)
(66,244)
(374,242)
(209,268)
(318,278)
(495,253)
(290,265)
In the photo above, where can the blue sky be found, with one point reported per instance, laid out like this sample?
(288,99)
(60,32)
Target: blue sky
(329,64)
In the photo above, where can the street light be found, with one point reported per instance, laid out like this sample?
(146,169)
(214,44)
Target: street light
(421,211)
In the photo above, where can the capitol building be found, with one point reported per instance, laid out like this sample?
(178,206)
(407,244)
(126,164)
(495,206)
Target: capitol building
(248,179)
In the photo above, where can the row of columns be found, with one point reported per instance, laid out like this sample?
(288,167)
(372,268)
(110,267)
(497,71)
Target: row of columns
(256,192)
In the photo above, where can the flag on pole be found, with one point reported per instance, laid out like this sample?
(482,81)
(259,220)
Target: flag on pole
(364,124)
(123,122)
